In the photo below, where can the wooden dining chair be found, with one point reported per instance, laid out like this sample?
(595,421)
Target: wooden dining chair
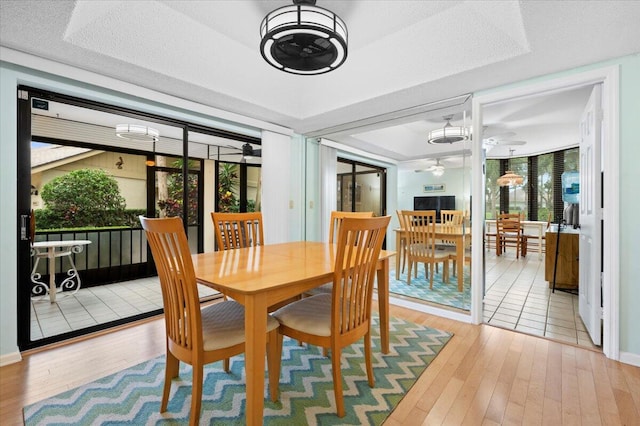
(334,229)
(401,256)
(532,239)
(193,335)
(509,232)
(238,230)
(343,317)
(453,217)
(421,245)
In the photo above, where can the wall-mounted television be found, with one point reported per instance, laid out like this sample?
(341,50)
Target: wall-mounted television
(437,203)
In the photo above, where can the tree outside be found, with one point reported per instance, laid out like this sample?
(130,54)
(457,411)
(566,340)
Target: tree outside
(82,198)
(171,205)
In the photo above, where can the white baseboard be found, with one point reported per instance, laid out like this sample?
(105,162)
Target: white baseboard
(11,358)
(630,358)
(428,309)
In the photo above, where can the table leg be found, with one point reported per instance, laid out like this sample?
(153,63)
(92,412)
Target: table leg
(460,263)
(399,255)
(255,322)
(383,303)
(539,242)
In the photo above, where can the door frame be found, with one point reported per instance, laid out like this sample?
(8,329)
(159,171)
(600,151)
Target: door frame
(609,77)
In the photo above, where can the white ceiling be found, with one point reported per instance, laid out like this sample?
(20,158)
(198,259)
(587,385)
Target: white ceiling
(403,57)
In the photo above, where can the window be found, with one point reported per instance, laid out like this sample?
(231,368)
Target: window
(539,194)
(545,186)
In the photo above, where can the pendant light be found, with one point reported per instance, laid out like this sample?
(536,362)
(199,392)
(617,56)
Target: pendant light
(510,178)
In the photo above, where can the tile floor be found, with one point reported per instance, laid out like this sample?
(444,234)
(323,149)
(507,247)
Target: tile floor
(519,298)
(96,305)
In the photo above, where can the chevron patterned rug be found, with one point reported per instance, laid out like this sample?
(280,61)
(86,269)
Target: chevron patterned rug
(132,396)
(446,294)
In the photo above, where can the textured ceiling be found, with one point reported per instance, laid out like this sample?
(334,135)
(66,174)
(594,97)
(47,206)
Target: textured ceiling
(402,54)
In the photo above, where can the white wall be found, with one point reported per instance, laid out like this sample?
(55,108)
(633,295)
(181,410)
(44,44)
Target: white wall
(456,181)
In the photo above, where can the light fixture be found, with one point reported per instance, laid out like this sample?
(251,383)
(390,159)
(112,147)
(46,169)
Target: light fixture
(510,178)
(137,132)
(249,153)
(152,162)
(303,39)
(448,134)
(438,169)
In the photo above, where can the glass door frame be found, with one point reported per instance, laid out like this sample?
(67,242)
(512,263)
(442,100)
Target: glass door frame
(25,94)
(354,173)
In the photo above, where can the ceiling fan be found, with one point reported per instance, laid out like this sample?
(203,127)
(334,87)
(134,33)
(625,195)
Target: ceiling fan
(437,169)
(504,138)
(247,152)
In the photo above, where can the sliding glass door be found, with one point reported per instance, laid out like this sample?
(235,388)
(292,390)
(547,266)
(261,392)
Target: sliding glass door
(86,172)
(360,187)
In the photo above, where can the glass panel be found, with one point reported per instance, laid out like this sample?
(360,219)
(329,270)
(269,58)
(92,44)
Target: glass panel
(254,185)
(169,195)
(572,160)
(89,184)
(228,187)
(545,186)
(518,194)
(368,193)
(492,189)
(365,194)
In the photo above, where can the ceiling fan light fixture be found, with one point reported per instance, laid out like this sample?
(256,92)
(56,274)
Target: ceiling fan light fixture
(303,39)
(448,134)
(438,171)
(137,132)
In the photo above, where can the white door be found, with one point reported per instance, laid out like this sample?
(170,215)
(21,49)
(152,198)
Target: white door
(590,216)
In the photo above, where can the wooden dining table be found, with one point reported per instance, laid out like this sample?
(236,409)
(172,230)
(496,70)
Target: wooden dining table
(461,239)
(262,276)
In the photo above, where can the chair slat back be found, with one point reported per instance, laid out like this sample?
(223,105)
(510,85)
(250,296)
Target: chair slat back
(238,230)
(451,223)
(509,223)
(454,217)
(421,225)
(401,219)
(172,258)
(358,247)
(336,221)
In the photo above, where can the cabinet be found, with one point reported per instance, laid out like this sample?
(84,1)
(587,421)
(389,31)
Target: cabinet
(568,267)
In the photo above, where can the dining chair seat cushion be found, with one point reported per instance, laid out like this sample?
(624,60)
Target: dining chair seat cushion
(440,251)
(223,325)
(311,315)
(323,289)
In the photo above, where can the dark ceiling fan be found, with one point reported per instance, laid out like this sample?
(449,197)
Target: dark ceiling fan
(248,151)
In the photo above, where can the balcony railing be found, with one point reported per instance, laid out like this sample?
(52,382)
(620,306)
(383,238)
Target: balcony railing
(114,255)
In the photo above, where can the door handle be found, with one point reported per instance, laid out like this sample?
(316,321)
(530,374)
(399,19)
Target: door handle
(24,227)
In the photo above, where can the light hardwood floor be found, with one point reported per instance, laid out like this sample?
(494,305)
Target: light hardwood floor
(485,375)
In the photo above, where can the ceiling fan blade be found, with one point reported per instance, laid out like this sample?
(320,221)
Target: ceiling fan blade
(497,134)
(508,142)
(428,169)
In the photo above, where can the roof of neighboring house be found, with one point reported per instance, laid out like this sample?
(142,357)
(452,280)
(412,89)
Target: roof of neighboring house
(56,153)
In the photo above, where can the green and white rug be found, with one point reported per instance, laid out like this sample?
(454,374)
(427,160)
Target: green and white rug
(446,294)
(132,396)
